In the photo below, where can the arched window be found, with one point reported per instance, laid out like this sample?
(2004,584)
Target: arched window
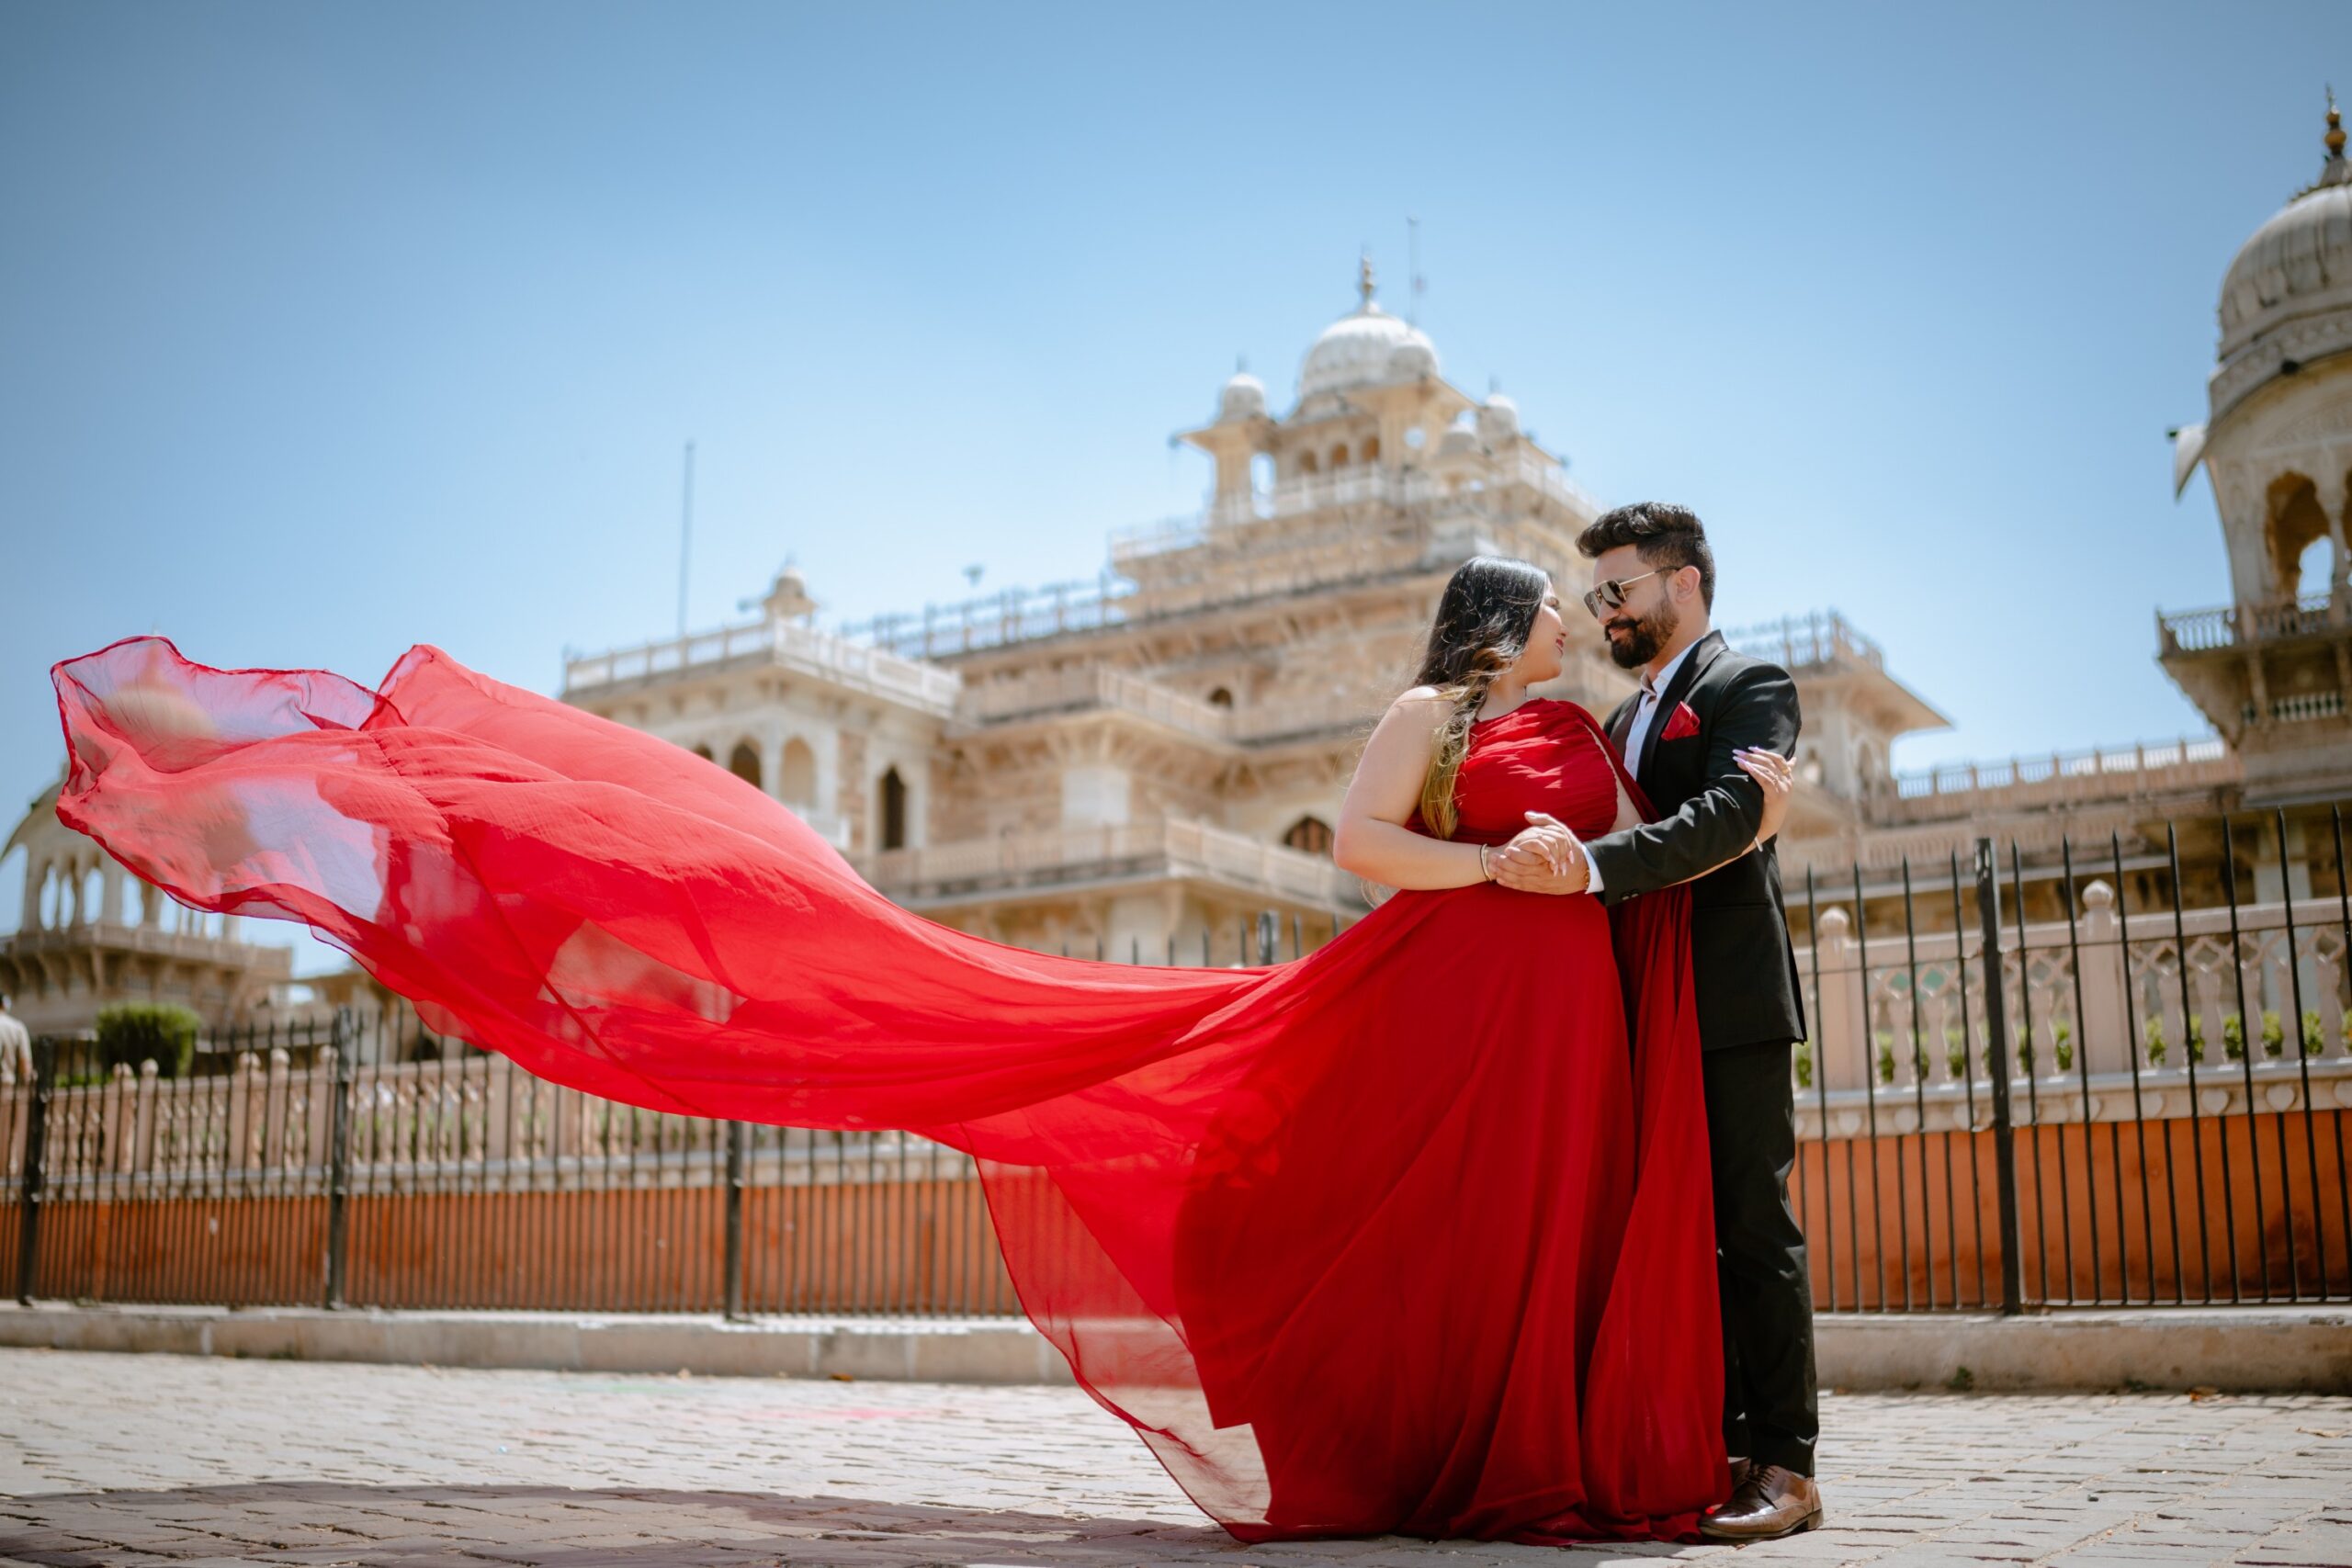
(797,777)
(52,900)
(1339,456)
(1306,463)
(2295,524)
(893,810)
(1220,698)
(93,902)
(1371,452)
(745,763)
(1311,835)
(1262,472)
(703,752)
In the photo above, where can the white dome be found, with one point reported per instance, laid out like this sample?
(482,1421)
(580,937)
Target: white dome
(1411,361)
(1244,397)
(2287,296)
(1362,350)
(1498,421)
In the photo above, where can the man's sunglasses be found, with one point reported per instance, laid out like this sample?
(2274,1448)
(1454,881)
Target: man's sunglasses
(1610,595)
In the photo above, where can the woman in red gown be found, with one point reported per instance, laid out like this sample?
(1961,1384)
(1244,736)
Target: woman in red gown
(1412,1235)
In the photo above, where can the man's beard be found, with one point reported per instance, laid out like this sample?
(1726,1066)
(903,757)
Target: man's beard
(1646,637)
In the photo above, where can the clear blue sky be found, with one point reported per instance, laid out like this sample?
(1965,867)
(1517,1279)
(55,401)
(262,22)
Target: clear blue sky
(329,329)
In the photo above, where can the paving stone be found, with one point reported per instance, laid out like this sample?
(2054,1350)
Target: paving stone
(124,1461)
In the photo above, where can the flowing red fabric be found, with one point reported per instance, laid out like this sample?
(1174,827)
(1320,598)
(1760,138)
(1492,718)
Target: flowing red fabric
(1412,1235)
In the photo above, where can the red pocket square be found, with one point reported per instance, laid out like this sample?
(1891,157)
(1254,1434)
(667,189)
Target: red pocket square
(1679,723)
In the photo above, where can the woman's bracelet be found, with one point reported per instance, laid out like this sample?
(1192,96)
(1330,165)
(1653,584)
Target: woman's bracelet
(1483,873)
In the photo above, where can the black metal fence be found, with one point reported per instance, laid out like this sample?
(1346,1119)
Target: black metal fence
(2040,1076)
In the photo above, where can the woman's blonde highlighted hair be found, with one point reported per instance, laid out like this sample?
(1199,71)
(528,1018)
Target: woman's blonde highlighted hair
(1483,619)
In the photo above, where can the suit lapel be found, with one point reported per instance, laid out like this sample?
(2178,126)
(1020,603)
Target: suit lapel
(1702,653)
(1621,722)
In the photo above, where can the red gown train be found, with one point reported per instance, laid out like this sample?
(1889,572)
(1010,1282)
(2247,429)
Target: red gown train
(1412,1235)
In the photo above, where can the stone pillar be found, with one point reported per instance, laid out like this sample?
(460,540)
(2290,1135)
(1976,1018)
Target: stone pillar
(1841,1026)
(2328,482)
(2102,1035)
(2270,885)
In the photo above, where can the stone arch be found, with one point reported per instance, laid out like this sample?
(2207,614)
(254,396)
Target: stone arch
(893,814)
(92,904)
(1370,451)
(703,751)
(1307,465)
(797,775)
(2293,520)
(1309,835)
(1262,472)
(745,762)
(1220,698)
(1339,456)
(50,908)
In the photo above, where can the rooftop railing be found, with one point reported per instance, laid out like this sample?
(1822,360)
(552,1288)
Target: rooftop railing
(2106,772)
(1055,855)
(1807,641)
(783,643)
(2230,625)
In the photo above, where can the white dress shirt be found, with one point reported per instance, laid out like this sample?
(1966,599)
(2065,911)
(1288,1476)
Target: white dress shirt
(1652,689)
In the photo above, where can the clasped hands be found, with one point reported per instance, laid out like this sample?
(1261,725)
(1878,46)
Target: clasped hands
(1546,856)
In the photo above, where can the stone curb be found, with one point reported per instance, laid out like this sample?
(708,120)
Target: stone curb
(990,1350)
(2238,1350)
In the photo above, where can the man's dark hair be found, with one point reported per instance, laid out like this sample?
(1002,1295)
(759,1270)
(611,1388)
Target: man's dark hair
(1667,537)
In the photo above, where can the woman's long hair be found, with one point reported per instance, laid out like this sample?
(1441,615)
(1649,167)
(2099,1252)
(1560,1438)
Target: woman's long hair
(1483,622)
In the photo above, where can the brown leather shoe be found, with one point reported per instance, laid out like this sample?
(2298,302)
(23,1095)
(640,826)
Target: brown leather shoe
(1739,1468)
(1769,1503)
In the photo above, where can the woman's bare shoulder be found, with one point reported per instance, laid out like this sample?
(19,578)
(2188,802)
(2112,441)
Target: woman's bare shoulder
(1420,701)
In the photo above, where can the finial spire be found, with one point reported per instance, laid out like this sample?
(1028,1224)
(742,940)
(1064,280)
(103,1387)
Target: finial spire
(1364,278)
(2334,130)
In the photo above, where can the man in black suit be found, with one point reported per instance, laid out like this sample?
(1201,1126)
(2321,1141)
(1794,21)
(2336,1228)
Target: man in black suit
(1701,705)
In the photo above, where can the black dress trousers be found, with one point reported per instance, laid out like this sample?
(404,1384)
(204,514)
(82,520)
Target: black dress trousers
(1770,1412)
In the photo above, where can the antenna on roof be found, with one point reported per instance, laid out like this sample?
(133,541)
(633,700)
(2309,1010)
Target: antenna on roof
(1415,283)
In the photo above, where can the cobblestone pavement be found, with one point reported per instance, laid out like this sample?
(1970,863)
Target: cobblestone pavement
(142,1460)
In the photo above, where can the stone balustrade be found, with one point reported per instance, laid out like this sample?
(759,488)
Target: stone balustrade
(1244,865)
(857,665)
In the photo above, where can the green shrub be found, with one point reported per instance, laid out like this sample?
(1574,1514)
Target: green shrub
(2156,1046)
(2232,1037)
(1956,1050)
(2063,1045)
(163,1033)
(1886,1056)
(1804,1059)
(2314,1037)
(2274,1035)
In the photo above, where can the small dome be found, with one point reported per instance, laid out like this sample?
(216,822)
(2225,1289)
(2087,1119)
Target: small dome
(1244,397)
(1412,360)
(2287,295)
(1498,421)
(788,595)
(1361,349)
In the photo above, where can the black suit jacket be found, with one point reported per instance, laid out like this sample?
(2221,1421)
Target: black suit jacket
(1708,813)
